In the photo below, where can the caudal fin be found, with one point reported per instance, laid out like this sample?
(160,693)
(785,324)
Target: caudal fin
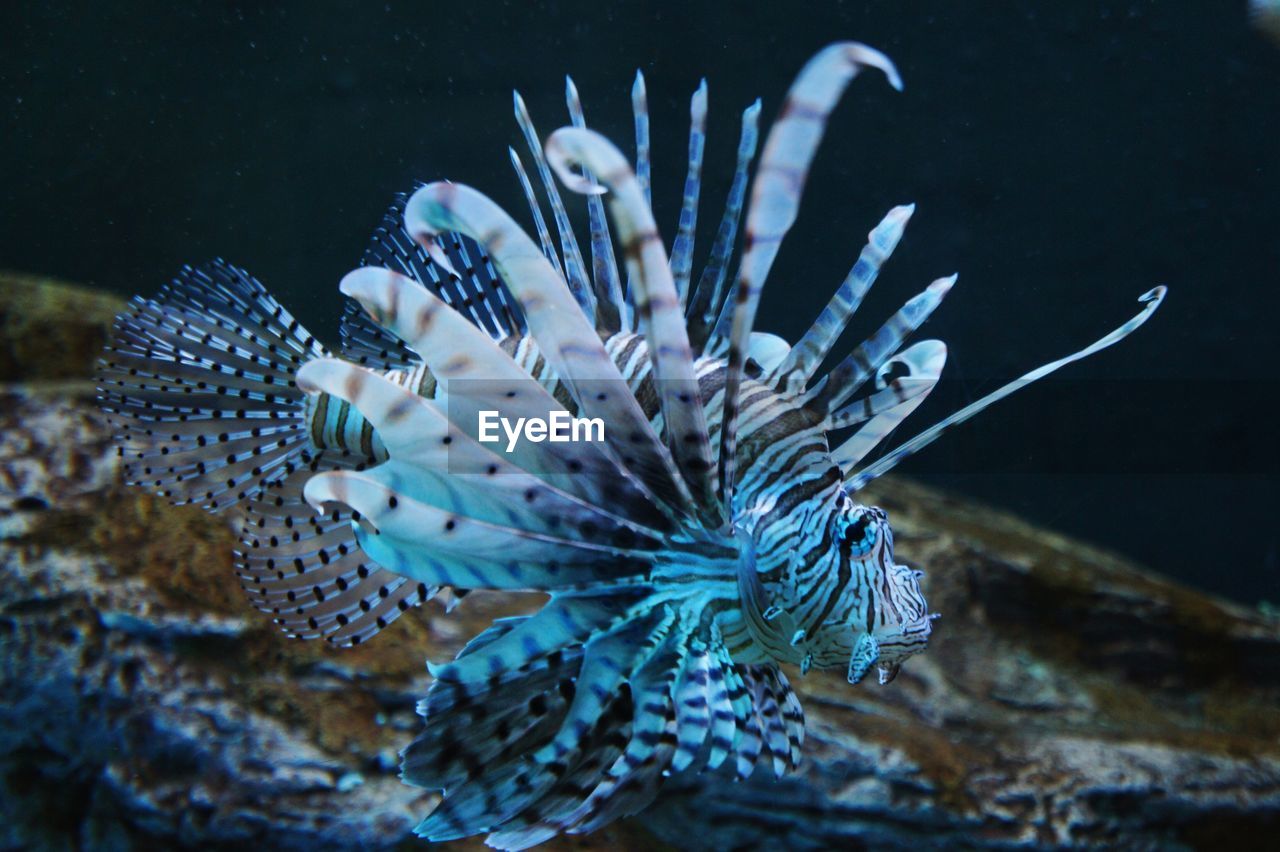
(198,383)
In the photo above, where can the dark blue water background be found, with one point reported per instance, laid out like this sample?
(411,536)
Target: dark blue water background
(1065,157)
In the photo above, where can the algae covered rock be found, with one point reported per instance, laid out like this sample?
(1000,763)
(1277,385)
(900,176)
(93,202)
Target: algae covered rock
(143,703)
(1067,697)
(50,329)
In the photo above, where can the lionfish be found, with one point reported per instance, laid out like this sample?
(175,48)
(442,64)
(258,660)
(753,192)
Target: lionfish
(713,536)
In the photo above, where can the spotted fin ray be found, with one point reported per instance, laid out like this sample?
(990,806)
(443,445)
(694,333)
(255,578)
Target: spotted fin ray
(659,305)
(470,285)
(482,377)
(198,383)
(308,573)
(707,302)
(611,308)
(775,201)
(574,268)
(562,332)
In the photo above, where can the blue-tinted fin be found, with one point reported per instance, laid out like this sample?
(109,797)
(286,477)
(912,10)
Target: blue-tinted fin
(775,200)
(470,727)
(767,700)
(505,789)
(636,776)
(566,338)
(198,383)
(574,268)
(308,573)
(483,377)
(850,374)
(465,551)
(708,299)
(613,314)
(1151,299)
(486,298)
(808,353)
(658,306)
(585,789)
(693,706)
(566,619)
(540,224)
(475,291)
(368,344)
(640,109)
(682,249)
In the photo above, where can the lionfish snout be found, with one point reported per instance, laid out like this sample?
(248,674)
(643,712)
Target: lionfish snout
(889,620)
(909,622)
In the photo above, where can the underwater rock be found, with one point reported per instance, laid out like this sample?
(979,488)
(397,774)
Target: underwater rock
(138,706)
(49,329)
(1067,698)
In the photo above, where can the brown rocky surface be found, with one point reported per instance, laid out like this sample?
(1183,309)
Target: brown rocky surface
(50,329)
(1068,697)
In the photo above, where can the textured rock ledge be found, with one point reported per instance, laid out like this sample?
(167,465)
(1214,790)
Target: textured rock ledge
(1067,698)
(50,329)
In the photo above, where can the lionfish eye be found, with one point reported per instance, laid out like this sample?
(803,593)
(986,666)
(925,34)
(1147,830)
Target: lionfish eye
(857,531)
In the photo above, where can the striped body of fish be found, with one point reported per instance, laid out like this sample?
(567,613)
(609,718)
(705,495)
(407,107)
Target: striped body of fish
(712,536)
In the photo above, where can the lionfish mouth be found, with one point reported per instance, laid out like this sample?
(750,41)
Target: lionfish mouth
(655,652)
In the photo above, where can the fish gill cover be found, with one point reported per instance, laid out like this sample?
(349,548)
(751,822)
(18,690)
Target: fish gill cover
(712,535)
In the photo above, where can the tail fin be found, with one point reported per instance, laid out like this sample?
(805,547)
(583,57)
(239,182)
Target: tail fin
(199,384)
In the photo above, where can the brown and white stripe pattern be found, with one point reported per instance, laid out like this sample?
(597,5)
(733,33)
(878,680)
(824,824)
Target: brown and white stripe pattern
(775,199)
(658,303)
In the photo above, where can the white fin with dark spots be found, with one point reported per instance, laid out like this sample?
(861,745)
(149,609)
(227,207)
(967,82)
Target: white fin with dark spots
(480,376)
(198,382)
(308,572)
(565,336)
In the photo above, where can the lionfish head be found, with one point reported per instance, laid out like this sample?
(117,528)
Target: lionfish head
(886,619)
